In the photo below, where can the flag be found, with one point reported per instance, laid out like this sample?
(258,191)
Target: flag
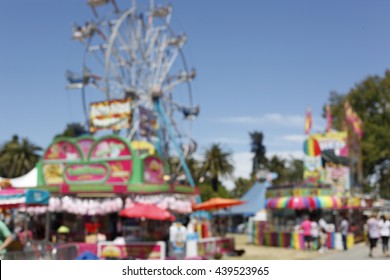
(352,118)
(308,121)
(328,119)
(347,112)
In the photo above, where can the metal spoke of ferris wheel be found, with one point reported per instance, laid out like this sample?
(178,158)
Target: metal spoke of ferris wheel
(166,121)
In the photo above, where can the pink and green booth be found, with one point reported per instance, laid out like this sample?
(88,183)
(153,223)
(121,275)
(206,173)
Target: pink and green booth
(107,172)
(109,164)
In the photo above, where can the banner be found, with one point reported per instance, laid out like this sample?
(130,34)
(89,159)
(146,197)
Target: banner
(336,141)
(338,177)
(308,121)
(55,159)
(136,250)
(107,160)
(153,170)
(304,192)
(353,119)
(313,173)
(110,114)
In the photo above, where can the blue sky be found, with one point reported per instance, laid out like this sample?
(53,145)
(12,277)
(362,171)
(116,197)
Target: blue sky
(260,64)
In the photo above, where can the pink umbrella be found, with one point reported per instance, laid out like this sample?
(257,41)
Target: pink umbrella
(147,211)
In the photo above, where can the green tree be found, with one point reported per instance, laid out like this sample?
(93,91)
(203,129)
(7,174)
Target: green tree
(18,157)
(278,165)
(73,130)
(295,171)
(370,99)
(193,165)
(207,191)
(258,150)
(217,163)
(241,186)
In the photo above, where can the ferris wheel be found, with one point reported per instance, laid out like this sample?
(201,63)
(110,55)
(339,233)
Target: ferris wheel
(133,54)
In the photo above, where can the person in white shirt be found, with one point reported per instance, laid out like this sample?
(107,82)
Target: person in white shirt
(384,229)
(373,233)
(323,235)
(315,233)
(344,229)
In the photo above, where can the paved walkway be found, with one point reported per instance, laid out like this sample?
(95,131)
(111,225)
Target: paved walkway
(254,252)
(358,252)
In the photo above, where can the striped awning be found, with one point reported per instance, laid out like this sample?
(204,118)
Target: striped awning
(18,197)
(300,202)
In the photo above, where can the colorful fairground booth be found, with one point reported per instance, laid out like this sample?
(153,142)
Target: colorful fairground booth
(329,190)
(97,185)
(91,180)
(288,205)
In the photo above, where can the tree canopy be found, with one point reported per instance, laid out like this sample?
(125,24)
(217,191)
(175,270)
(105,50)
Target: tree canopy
(217,163)
(258,150)
(370,99)
(73,130)
(18,157)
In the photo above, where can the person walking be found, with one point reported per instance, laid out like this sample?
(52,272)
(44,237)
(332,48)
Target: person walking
(306,227)
(373,233)
(344,228)
(323,235)
(384,227)
(315,234)
(6,238)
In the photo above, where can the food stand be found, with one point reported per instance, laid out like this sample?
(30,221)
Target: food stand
(287,205)
(92,179)
(13,198)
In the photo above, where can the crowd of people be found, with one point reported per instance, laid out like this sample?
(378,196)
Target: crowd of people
(315,232)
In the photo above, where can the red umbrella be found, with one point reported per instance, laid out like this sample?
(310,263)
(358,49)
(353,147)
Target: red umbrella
(147,211)
(217,203)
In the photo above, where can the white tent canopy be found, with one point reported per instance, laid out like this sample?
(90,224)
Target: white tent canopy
(28,180)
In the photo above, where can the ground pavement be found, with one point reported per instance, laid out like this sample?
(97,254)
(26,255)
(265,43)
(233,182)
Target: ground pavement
(358,252)
(254,252)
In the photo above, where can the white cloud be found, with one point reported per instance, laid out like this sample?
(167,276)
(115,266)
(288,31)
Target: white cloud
(230,141)
(273,119)
(243,164)
(295,138)
(278,119)
(242,168)
(286,154)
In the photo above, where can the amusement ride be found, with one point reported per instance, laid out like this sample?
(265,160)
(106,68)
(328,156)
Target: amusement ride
(135,62)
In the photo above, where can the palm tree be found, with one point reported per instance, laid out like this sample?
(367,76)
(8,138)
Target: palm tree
(258,150)
(216,163)
(193,165)
(17,158)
